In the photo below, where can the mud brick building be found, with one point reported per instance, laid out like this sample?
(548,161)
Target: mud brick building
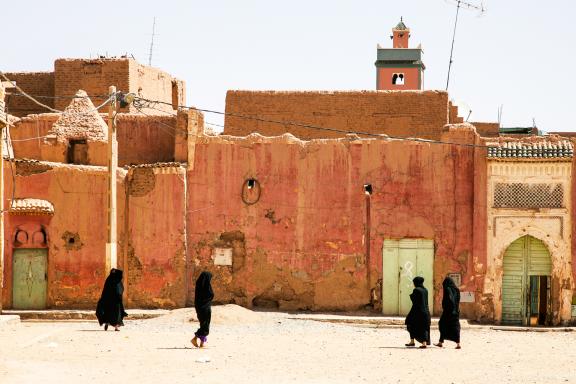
(287,216)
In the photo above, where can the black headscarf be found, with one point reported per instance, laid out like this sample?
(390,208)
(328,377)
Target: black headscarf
(110,308)
(418,281)
(451,298)
(418,319)
(203,294)
(449,323)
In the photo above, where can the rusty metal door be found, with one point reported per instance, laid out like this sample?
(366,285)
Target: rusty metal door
(29,278)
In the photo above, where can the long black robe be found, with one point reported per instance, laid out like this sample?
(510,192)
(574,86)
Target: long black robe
(203,296)
(449,323)
(418,319)
(110,309)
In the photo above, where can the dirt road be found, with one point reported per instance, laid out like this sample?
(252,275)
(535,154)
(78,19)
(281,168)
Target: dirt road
(248,347)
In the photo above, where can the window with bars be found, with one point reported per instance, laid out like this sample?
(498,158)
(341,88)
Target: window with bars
(523,195)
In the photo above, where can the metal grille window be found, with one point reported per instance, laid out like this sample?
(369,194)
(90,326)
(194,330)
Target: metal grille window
(522,195)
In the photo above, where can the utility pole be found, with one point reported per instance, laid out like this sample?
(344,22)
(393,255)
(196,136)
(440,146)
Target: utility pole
(3,122)
(111,244)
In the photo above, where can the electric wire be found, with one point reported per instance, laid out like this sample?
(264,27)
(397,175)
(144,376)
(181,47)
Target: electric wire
(141,102)
(59,97)
(147,103)
(27,95)
(160,122)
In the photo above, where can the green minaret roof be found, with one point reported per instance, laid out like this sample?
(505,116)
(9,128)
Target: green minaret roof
(401,26)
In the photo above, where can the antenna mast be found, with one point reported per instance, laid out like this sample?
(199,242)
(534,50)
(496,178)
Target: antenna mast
(152,42)
(460,3)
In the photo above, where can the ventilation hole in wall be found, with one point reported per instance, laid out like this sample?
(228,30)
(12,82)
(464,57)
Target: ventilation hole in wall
(368,189)
(71,240)
(251,183)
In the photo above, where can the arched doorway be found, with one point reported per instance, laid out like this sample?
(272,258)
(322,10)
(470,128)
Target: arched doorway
(526,275)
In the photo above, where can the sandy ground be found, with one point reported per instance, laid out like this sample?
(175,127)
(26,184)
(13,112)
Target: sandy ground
(249,347)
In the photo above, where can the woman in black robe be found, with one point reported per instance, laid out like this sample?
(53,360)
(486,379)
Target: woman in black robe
(203,296)
(418,319)
(110,309)
(450,320)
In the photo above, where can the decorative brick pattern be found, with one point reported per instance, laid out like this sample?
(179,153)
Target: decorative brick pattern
(523,195)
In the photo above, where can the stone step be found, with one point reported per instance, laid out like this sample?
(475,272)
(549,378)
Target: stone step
(59,314)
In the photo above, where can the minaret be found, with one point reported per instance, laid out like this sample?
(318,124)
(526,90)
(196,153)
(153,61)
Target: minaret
(399,67)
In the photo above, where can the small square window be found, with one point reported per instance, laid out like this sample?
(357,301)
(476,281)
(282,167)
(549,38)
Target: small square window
(398,79)
(77,152)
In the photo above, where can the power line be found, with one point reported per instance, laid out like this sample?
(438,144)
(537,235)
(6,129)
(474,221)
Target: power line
(140,103)
(146,103)
(27,95)
(59,97)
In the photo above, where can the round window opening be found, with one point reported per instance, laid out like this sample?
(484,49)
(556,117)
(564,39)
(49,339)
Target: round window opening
(251,191)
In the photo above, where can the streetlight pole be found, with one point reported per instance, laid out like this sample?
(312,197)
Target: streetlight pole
(111,243)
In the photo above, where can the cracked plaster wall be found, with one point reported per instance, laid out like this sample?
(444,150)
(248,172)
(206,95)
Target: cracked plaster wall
(155,259)
(78,193)
(303,240)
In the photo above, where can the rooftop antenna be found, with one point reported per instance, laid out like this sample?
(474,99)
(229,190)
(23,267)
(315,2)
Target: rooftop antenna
(152,41)
(500,109)
(459,4)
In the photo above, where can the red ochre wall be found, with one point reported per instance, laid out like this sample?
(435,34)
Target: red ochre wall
(154,261)
(412,80)
(156,254)
(75,271)
(301,246)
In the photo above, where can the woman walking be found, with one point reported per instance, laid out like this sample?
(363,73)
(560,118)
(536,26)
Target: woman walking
(449,323)
(418,319)
(110,309)
(203,296)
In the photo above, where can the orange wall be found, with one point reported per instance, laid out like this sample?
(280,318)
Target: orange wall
(412,79)
(141,139)
(408,113)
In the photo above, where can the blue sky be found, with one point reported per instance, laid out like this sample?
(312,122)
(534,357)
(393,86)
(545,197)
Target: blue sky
(519,53)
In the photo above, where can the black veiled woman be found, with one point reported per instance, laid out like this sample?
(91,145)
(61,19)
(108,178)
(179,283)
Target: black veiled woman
(110,309)
(203,296)
(418,319)
(450,320)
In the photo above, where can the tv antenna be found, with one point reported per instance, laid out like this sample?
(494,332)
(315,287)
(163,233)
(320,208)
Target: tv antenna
(460,4)
(152,42)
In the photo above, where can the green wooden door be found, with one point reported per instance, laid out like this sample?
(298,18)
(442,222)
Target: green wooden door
(29,279)
(402,260)
(526,256)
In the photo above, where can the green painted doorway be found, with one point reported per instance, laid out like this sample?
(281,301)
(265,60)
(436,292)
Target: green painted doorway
(29,278)
(402,260)
(527,267)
